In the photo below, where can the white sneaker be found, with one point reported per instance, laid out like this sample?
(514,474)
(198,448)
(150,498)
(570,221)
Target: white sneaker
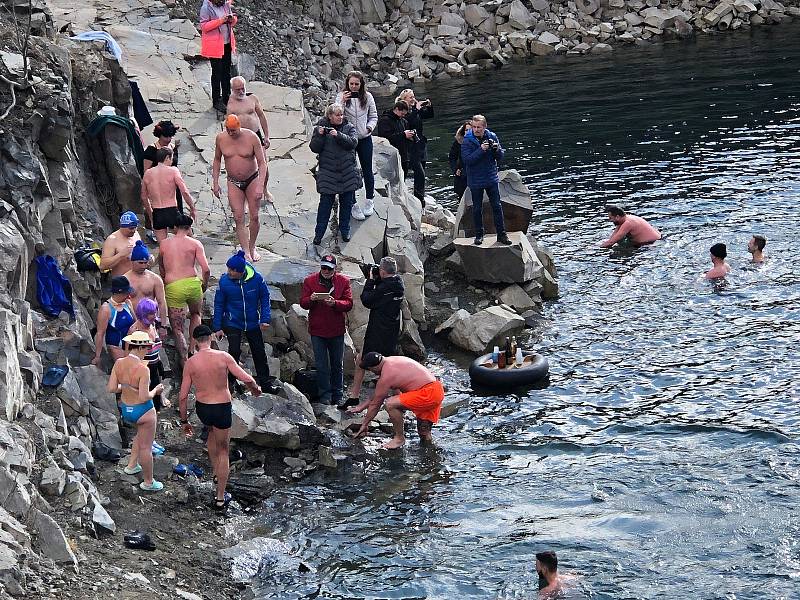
(369,208)
(356,212)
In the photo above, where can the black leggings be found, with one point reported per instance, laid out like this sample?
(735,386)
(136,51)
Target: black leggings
(221,76)
(156,369)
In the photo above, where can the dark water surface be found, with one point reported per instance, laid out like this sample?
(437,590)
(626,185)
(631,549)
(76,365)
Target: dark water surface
(662,461)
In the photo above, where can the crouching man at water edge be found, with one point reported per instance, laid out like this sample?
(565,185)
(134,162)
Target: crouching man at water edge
(629,226)
(207,370)
(421,393)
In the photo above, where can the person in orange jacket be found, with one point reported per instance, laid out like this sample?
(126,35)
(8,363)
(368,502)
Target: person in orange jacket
(218,43)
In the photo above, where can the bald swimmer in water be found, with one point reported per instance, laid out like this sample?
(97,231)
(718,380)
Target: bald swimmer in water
(635,228)
(421,393)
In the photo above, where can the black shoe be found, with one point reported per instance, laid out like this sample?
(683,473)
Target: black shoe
(345,236)
(503,239)
(478,240)
(317,241)
(220,106)
(344,403)
(272,388)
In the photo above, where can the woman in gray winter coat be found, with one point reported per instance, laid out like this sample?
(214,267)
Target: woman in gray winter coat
(334,141)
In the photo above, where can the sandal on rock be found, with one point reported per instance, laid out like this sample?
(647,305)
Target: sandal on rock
(156,486)
(222,504)
(132,471)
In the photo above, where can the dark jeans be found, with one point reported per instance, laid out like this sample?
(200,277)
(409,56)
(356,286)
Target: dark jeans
(459,185)
(416,163)
(346,201)
(329,360)
(493,192)
(257,350)
(364,151)
(221,76)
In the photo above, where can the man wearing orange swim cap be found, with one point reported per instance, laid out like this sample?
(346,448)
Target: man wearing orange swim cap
(246,170)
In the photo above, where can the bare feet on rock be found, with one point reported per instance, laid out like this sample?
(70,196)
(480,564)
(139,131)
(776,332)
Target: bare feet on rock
(256,256)
(394,443)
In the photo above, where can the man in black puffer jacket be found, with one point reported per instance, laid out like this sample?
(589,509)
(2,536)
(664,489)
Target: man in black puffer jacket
(334,141)
(392,126)
(383,295)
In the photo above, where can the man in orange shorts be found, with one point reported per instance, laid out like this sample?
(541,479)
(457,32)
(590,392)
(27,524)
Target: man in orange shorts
(421,393)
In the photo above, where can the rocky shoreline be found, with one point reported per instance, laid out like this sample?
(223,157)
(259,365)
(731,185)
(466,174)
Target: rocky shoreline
(398,43)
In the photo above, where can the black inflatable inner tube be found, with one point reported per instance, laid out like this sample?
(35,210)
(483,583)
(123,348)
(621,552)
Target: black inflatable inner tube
(531,371)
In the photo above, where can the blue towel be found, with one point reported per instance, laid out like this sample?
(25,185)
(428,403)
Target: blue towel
(111,44)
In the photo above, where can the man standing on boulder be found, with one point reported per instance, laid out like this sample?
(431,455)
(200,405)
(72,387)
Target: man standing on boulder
(145,283)
(208,371)
(480,152)
(180,256)
(118,246)
(247,171)
(241,309)
(421,393)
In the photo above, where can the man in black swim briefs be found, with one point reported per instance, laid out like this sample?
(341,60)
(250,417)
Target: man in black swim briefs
(207,370)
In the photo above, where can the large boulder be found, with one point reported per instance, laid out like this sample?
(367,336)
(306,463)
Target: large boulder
(515,199)
(286,273)
(271,421)
(51,540)
(520,17)
(498,263)
(102,405)
(480,331)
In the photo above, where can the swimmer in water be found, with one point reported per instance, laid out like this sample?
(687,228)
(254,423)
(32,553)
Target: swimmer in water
(635,228)
(756,247)
(720,269)
(547,569)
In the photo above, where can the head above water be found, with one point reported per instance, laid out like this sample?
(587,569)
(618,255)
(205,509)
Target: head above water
(757,242)
(719,250)
(372,361)
(546,567)
(615,214)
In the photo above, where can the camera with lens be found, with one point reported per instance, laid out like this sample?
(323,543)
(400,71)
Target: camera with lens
(329,130)
(371,271)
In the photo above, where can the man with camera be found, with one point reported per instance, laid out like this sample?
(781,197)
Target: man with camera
(383,295)
(480,152)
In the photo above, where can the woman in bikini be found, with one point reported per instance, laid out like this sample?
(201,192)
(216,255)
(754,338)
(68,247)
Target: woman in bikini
(130,377)
(114,320)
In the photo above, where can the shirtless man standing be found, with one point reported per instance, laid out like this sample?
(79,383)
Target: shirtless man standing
(145,283)
(246,170)
(421,393)
(208,371)
(158,194)
(180,255)
(718,253)
(247,107)
(636,228)
(118,246)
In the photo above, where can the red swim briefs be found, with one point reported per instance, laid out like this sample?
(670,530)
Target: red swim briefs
(426,402)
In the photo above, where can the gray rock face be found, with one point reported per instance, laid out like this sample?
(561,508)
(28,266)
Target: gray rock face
(479,331)
(517,298)
(497,263)
(515,199)
(271,421)
(51,540)
(520,17)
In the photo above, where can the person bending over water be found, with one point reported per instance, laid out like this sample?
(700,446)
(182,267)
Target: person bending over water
(131,377)
(208,372)
(718,253)
(421,393)
(756,247)
(635,228)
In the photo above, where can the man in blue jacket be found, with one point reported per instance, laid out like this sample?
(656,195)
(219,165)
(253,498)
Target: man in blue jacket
(241,307)
(480,152)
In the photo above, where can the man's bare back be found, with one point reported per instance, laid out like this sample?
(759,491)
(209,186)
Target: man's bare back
(239,153)
(119,245)
(159,183)
(403,374)
(208,371)
(179,256)
(637,229)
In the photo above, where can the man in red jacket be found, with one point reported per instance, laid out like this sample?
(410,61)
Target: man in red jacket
(327,296)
